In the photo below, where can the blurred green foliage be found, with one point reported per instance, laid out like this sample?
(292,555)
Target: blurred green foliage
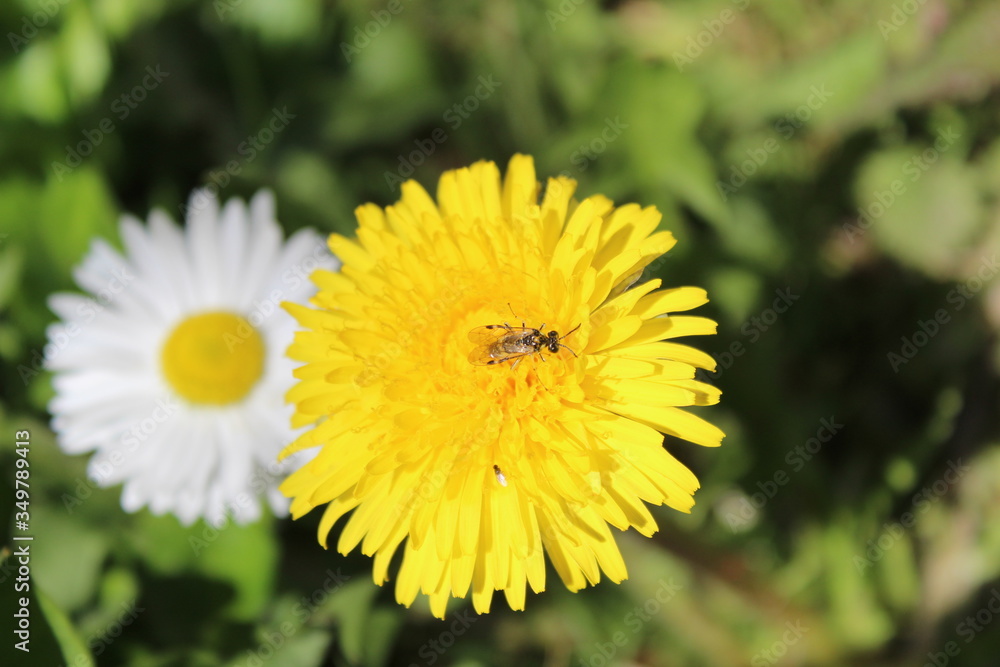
(843,154)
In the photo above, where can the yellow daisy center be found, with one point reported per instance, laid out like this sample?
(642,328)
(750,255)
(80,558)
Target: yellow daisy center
(213,358)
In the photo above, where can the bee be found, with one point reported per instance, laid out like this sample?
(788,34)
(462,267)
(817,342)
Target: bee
(497,343)
(500,475)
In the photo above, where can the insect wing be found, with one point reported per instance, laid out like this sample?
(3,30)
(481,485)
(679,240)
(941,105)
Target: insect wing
(488,335)
(486,339)
(489,348)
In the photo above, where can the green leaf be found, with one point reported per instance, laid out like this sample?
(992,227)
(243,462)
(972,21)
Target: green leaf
(84,53)
(308,179)
(352,606)
(662,110)
(826,89)
(898,575)
(750,234)
(290,22)
(290,636)
(392,85)
(76,206)
(119,17)
(18,209)
(11,262)
(736,292)
(73,648)
(118,599)
(245,557)
(380,635)
(921,206)
(10,342)
(165,545)
(861,622)
(964,60)
(307,648)
(70,574)
(32,83)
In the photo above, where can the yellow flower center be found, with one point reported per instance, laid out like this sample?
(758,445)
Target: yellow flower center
(213,358)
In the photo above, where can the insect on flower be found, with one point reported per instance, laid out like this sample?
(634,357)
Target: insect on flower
(497,343)
(500,476)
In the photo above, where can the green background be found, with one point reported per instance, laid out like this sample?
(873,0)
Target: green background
(843,153)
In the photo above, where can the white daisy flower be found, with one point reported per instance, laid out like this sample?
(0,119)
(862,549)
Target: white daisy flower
(173,368)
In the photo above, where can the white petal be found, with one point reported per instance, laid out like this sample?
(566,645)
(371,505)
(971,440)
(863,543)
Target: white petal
(203,248)
(110,396)
(233,232)
(175,265)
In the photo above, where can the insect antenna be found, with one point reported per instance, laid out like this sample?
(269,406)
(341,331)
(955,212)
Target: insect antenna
(523,323)
(571,330)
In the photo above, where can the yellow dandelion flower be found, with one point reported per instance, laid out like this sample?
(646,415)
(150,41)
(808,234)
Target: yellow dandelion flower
(483,450)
